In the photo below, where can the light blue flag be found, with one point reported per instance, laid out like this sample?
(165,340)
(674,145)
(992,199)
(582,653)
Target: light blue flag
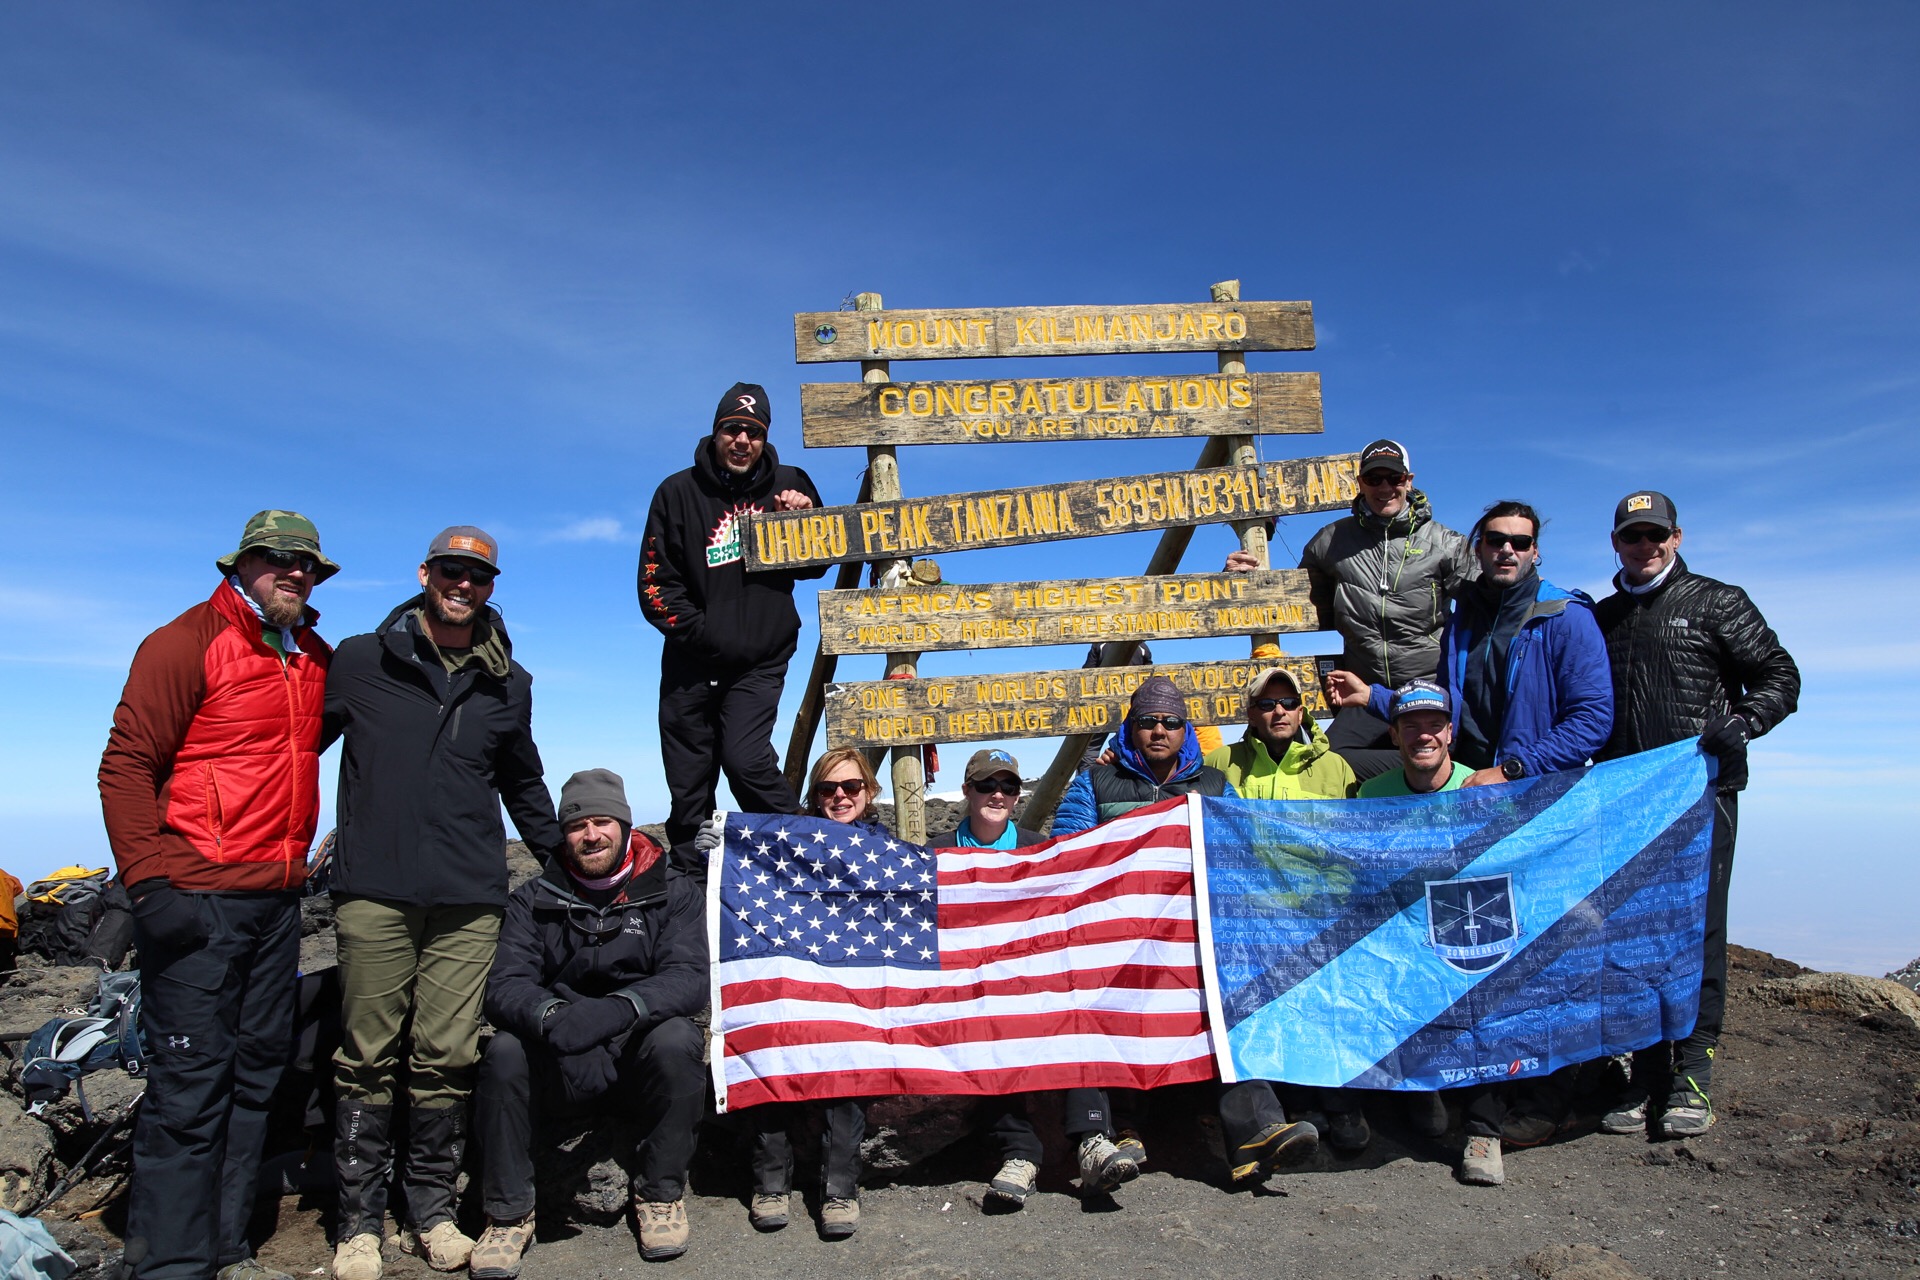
(1425,942)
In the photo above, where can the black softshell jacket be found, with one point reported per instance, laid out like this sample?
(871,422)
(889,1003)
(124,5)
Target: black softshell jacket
(656,956)
(1687,651)
(428,760)
(693,583)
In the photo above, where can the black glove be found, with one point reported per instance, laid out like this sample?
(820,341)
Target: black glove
(166,915)
(580,1025)
(1726,738)
(588,1075)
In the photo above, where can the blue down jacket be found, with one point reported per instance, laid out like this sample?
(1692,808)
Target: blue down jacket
(1106,791)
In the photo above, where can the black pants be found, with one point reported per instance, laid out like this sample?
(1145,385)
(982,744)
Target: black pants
(846,1125)
(1664,1066)
(1360,738)
(1091,1111)
(1245,1109)
(713,720)
(661,1083)
(218,1021)
(1012,1131)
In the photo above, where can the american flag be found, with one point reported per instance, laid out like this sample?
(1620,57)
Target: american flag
(848,964)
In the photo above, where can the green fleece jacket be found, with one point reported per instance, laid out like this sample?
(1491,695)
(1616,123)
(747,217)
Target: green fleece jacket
(1306,771)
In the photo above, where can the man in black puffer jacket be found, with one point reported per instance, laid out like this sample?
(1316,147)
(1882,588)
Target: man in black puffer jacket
(602,963)
(1690,656)
(729,635)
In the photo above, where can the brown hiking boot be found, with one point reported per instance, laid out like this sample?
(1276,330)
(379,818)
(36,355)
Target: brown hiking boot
(768,1212)
(444,1246)
(358,1257)
(663,1228)
(496,1254)
(839,1217)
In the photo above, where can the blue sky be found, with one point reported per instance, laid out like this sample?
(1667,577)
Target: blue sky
(400,267)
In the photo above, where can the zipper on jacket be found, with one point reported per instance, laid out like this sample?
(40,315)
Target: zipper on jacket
(216,819)
(293,774)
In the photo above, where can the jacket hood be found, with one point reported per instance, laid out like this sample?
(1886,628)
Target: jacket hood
(1185,766)
(715,478)
(1298,754)
(1417,512)
(393,629)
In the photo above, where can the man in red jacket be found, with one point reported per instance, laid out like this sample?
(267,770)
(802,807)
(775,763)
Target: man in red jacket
(210,785)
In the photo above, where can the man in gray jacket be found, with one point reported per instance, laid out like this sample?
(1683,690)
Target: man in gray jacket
(1382,577)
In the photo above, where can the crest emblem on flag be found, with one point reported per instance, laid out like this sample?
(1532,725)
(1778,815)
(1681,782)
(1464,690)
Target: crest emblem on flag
(1471,922)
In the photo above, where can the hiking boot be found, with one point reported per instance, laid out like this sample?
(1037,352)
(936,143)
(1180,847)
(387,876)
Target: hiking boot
(1688,1115)
(1127,1143)
(1628,1114)
(1015,1182)
(249,1269)
(357,1257)
(1427,1113)
(496,1254)
(1348,1132)
(1522,1129)
(663,1228)
(444,1246)
(839,1217)
(1102,1166)
(1480,1164)
(767,1211)
(1278,1144)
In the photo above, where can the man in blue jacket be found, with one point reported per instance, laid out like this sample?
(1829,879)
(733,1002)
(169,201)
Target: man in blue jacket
(1532,694)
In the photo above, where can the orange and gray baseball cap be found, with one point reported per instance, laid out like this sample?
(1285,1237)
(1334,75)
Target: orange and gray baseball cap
(1646,507)
(469,542)
(280,531)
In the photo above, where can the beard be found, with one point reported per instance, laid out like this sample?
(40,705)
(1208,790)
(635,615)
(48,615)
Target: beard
(446,613)
(281,611)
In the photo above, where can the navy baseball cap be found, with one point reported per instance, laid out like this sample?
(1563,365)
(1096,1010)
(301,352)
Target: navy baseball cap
(1421,695)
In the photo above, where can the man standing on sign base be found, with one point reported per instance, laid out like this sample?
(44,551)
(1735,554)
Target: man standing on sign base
(729,634)
(1690,656)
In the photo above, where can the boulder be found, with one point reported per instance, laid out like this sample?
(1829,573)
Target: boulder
(1579,1262)
(26,1158)
(31,995)
(1879,1002)
(903,1132)
(1907,975)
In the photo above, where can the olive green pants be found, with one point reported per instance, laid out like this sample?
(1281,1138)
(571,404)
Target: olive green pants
(427,964)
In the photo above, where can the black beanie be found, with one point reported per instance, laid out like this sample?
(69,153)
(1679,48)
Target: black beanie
(744,402)
(1157,696)
(595,793)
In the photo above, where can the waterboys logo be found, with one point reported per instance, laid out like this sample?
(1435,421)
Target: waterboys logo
(1471,924)
(723,545)
(1492,1071)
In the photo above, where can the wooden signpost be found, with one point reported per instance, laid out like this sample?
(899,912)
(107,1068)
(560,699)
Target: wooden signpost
(982,332)
(1030,410)
(1047,513)
(1004,615)
(1041,704)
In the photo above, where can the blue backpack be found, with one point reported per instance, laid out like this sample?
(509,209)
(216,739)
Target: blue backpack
(65,1049)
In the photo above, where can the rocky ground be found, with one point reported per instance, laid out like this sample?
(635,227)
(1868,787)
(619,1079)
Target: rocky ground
(1814,1169)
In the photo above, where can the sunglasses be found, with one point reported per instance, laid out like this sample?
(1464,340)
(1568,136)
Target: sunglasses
(751,430)
(286,560)
(1518,541)
(846,787)
(1175,723)
(1374,479)
(1268,704)
(1634,537)
(995,787)
(455,570)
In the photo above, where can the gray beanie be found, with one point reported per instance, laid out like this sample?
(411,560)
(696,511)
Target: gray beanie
(1157,696)
(595,793)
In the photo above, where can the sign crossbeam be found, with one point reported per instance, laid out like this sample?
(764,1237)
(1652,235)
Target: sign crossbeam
(985,332)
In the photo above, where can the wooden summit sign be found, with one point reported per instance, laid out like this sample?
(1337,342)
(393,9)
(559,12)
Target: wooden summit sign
(946,334)
(1006,615)
(1022,410)
(1041,704)
(1047,513)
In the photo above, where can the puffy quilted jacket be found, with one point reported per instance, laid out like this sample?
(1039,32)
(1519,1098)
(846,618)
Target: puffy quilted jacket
(1384,586)
(1687,651)
(1106,791)
(211,775)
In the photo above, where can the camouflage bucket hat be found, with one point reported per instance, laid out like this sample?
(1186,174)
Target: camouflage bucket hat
(280,531)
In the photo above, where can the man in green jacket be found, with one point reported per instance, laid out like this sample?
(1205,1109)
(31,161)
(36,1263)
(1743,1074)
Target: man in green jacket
(1285,754)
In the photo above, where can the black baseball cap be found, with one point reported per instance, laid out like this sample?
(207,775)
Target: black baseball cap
(1646,507)
(1385,455)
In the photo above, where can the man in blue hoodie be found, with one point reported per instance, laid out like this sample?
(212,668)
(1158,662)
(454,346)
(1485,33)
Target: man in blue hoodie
(1532,694)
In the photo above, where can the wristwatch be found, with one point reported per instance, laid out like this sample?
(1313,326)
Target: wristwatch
(1513,769)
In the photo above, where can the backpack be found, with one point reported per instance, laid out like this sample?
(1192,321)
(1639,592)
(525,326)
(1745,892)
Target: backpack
(65,1049)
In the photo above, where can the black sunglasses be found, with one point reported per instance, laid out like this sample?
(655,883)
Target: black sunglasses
(1268,704)
(1518,541)
(846,787)
(1634,537)
(1374,479)
(455,570)
(995,787)
(285,560)
(751,430)
(1164,722)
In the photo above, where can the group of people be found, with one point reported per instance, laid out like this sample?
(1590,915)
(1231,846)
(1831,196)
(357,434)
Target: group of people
(1462,667)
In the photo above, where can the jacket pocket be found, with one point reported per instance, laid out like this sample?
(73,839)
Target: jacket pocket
(216,817)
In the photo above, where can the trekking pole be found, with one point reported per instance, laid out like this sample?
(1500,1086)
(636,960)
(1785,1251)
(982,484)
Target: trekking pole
(78,1173)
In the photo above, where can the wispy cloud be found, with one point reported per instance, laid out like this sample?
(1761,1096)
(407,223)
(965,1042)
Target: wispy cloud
(592,529)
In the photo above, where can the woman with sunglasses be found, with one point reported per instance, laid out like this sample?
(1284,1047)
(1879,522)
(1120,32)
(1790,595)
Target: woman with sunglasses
(840,788)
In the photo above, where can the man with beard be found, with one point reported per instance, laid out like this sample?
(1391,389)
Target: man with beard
(211,789)
(1383,577)
(1691,656)
(1527,671)
(728,635)
(603,962)
(438,725)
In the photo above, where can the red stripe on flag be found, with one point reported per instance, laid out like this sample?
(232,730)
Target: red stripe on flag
(1092,857)
(1131,977)
(967,915)
(952,1031)
(1122,930)
(884,1081)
